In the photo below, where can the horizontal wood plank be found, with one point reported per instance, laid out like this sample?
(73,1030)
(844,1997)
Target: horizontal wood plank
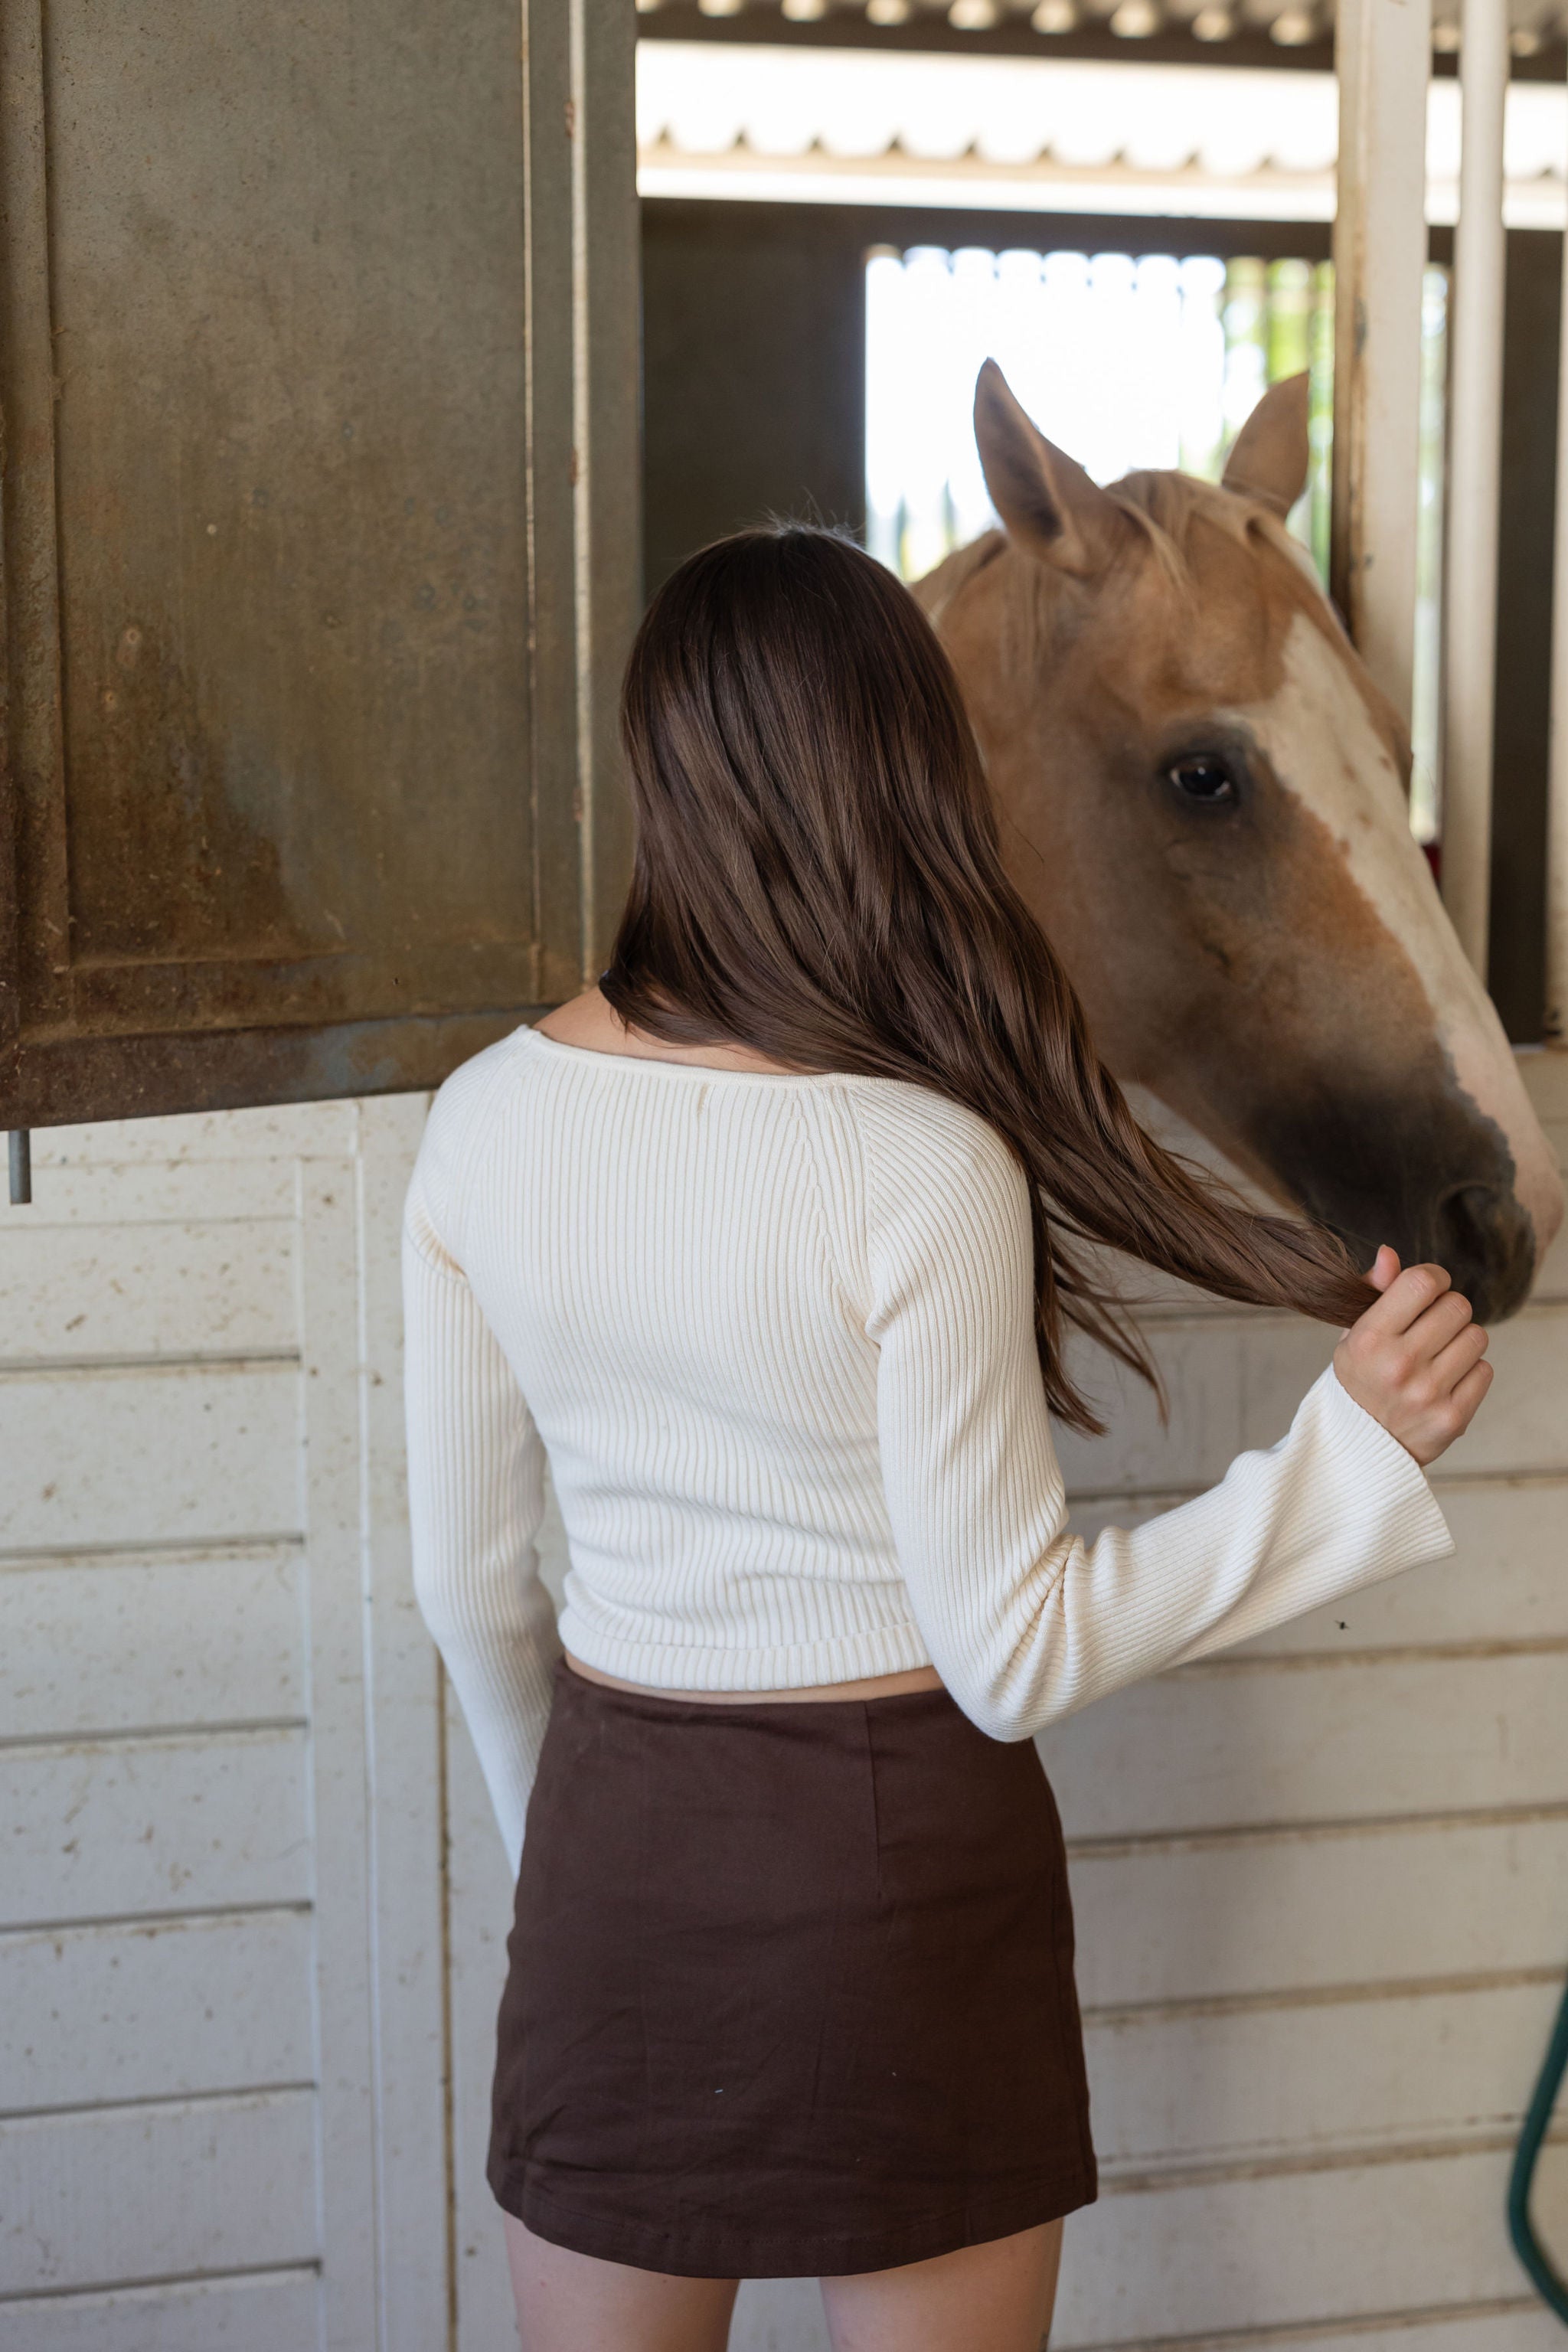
(1289,2250)
(271,2311)
(106,1830)
(155,2192)
(776,2315)
(1526,2326)
(94,1646)
(138,1290)
(1294,1740)
(1503,1584)
(138,1457)
(1329,2074)
(169,2008)
(205,1192)
(272,1131)
(1235,1381)
(1267,1913)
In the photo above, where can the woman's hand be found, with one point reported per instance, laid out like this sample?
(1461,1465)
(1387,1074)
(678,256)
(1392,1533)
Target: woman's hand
(1414,1361)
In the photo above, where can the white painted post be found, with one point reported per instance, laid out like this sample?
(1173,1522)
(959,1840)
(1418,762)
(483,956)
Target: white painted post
(1382,51)
(1557,808)
(1475,439)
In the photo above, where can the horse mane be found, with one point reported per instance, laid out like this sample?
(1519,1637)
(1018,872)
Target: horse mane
(1164,507)
(935,590)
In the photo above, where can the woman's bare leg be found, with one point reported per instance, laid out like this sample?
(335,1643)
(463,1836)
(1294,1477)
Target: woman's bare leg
(999,2296)
(574,2303)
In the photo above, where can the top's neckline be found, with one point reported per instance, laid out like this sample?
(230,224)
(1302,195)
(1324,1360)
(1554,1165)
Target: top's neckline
(708,1072)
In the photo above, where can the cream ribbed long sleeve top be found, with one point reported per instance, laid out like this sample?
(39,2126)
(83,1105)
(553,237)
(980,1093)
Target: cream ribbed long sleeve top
(774,1335)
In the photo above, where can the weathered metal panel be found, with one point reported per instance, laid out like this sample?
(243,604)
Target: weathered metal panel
(309,385)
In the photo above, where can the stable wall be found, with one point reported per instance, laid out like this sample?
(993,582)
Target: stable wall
(252,1908)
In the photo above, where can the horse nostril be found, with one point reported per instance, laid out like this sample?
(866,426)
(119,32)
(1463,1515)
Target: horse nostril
(1485,1239)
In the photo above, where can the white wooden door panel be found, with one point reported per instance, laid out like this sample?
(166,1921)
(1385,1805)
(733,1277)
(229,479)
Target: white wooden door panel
(86,2012)
(1234,1380)
(1522,2325)
(195,1288)
(207,1142)
(147,1454)
(403,1784)
(1261,1740)
(270,2311)
(96,1646)
(1179,2088)
(779,2316)
(124,1829)
(144,1191)
(86,2201)
(1407,1904)
(1502,1574)
(1202,1360)
(479,1909)
(1280,2248)
(1524,1428)
(1503,1586)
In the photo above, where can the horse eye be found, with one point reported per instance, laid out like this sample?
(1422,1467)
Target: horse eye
(1202,777)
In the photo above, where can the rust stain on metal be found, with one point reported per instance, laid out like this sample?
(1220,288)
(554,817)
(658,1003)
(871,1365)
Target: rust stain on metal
(285,814)
(170,866)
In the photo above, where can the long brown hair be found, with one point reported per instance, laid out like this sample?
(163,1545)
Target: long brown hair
(818,877)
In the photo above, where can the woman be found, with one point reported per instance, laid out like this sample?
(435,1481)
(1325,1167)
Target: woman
(770,1245)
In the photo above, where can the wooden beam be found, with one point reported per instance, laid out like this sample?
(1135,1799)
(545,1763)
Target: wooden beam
(1382,50)
(1475,429)
(1556,1022)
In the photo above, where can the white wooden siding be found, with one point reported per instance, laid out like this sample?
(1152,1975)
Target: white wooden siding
(221,1999)
(249,1967)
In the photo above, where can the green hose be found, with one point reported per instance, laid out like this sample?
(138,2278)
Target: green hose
(1526,2244)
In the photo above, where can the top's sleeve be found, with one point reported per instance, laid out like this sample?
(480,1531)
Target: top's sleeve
(476,1493)
(1024,1620)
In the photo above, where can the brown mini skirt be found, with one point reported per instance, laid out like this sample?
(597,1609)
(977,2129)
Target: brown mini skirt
(791,1989)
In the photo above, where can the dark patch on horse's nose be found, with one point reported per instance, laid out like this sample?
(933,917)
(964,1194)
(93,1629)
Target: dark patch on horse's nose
(1486,1240)
(1418,1166)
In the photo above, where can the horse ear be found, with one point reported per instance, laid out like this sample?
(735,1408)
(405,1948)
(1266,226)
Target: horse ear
(1046,499)
(1269,457)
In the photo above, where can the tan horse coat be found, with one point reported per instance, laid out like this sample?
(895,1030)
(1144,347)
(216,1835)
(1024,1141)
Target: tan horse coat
(1202,799)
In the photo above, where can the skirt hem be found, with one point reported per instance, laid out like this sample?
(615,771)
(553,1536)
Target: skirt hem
(700,2253)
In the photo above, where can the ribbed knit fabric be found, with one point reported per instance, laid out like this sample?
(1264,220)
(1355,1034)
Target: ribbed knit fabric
(776,1336)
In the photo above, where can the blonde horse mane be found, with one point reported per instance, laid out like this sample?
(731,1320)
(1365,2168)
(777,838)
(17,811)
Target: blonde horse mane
(1164,507)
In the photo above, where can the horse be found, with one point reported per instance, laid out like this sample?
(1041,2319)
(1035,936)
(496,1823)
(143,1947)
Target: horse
(1203,798)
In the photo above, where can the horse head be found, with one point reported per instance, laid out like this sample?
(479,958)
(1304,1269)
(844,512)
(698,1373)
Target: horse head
(1202,799)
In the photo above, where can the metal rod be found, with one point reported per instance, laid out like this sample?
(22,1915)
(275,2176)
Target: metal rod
(1556,1025)
(1383,53)
(21,1167)
(1475,458)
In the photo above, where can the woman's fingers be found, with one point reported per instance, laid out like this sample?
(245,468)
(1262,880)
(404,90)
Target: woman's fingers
(1408,1296)
(1415,1359)
(1443,1321)
(1466,1394)
(1384,1267)
(1451,1364)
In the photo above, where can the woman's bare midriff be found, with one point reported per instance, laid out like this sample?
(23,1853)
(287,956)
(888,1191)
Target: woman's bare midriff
(917,1678)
